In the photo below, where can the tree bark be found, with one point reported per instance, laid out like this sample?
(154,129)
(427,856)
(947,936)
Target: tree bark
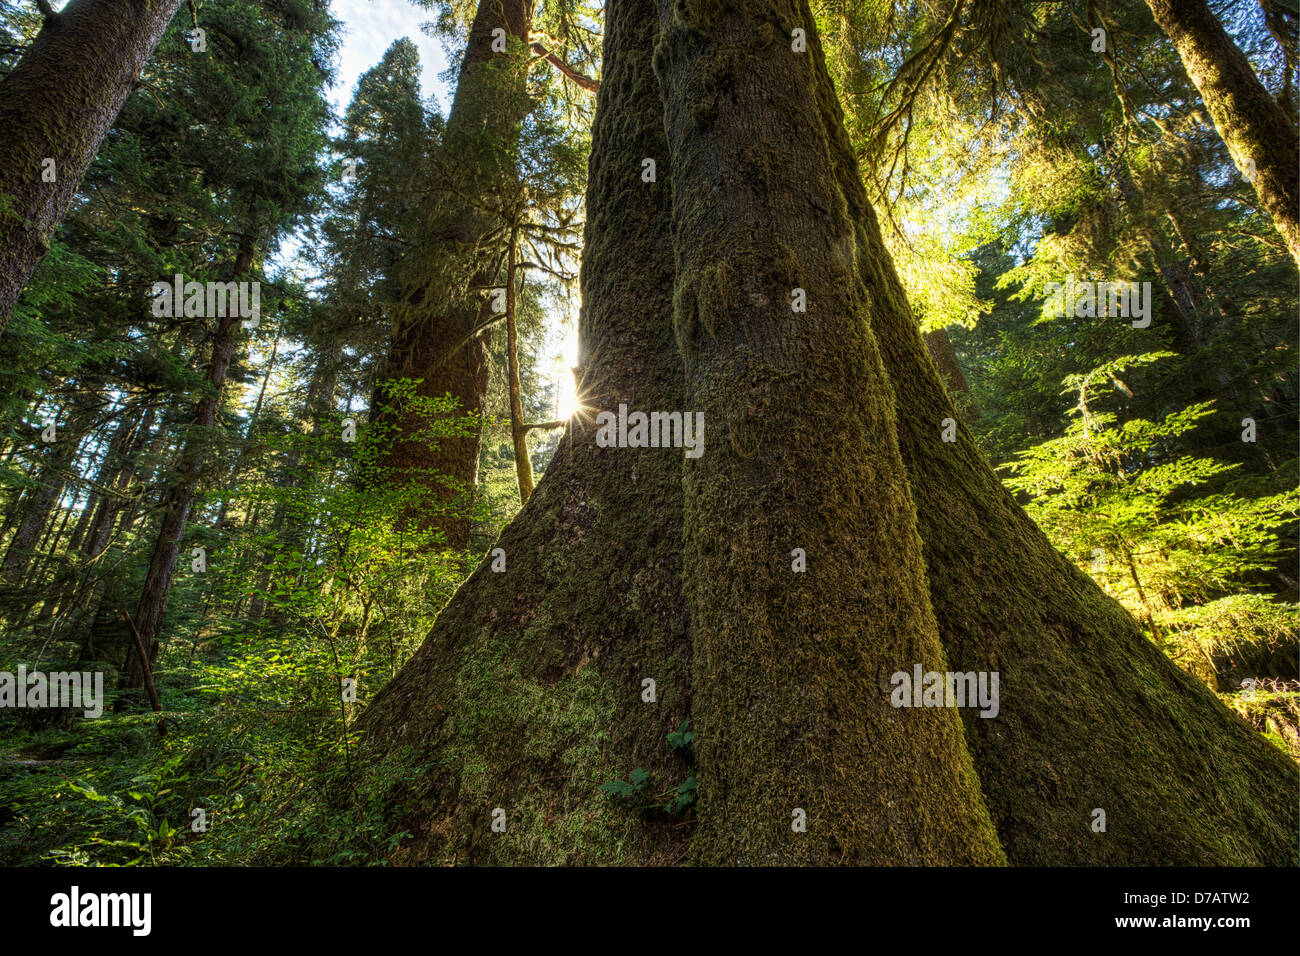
(1255,128)
(792,668)
(518,433)
(58,104)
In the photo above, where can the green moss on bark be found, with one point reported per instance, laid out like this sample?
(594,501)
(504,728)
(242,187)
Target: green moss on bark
(791,669)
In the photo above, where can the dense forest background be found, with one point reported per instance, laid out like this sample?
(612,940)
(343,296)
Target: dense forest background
(277,511)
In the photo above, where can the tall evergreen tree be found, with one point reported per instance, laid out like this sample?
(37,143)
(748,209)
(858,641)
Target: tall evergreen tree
(268,94)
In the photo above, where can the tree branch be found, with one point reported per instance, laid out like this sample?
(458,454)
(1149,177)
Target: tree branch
(586,82)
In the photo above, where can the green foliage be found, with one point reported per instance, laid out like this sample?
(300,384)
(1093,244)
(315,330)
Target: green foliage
(635,783)
(682,740)
(634,790)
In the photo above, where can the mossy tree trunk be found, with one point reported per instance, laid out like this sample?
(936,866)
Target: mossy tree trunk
(1257,131)
(792,667)
(437,337)
(56,106)
(530,691)
(1093,715)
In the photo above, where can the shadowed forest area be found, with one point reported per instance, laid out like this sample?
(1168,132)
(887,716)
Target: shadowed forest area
(697,432)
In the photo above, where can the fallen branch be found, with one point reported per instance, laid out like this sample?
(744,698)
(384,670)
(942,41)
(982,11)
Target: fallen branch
(154,702)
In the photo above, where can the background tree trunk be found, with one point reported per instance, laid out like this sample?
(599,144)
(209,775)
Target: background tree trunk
(58,103)
(152,605)
(38,503)
(1252,124)
(435,339)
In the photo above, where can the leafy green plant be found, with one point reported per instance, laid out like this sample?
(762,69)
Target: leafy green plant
(625,788)
(682,740)
(671,800)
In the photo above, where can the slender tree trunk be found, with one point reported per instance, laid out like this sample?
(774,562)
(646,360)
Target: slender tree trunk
(101,529)
(57,105)
(37,504)
(319,402)
(1255,128)
(1182,295)
(238,466)
(518,434)
(96,525)
(535,685)
(435,339)
(152,605)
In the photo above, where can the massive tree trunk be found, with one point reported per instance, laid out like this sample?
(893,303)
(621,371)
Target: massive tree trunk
(791,667)
(1255,128)
(179,497)
(58,104)
(1093,715)
(529,692)
(436,338)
